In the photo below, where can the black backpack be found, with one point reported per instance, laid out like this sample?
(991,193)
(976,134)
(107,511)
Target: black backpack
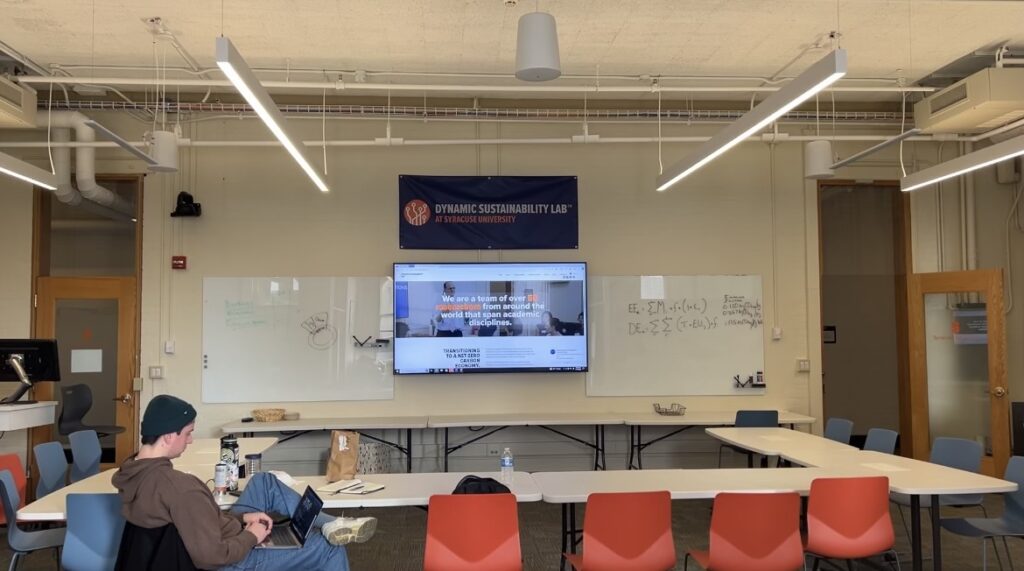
(478,485)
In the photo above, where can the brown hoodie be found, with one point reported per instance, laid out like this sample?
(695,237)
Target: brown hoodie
(154,494)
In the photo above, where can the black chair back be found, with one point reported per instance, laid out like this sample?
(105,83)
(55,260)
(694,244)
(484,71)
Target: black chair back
(155,549)
(77,400)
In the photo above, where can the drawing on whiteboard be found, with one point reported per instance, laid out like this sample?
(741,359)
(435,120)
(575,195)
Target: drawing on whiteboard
(242,314)
(322,335)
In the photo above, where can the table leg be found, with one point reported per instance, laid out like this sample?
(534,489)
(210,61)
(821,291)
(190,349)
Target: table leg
(915,532)
(629,458)
(408,454)
(446,449)
(639,449)
(604,456)
(565,534)
(936,535)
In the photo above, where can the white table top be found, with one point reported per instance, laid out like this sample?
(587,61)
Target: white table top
(574,487)
(525,419)
(207,450)
(906,475)
(399,490)
(704,418)
(340,423)
(413,489)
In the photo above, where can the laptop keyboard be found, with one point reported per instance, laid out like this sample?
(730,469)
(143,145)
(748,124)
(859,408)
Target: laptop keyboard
(281,536)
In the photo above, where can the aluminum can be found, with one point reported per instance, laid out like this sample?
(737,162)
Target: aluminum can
(220,478)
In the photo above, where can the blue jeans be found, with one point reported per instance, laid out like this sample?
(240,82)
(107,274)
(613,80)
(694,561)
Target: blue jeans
(265,493)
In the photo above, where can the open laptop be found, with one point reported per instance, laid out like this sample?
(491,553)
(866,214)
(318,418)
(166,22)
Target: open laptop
(293,535)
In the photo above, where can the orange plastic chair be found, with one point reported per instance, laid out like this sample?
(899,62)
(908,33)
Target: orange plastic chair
(753,531)
(848,518)
(13,463)
(627,531)
(472,531)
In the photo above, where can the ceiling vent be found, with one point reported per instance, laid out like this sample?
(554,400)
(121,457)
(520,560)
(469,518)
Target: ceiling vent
(988,99)
(17,105)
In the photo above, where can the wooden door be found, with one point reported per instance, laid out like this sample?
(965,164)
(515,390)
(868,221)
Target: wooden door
(958,364)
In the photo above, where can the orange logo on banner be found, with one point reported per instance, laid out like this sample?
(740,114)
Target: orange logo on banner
(416,212)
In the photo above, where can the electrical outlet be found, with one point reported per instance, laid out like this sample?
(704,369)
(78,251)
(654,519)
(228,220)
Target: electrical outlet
(156,372)
(803,365)
(493,450)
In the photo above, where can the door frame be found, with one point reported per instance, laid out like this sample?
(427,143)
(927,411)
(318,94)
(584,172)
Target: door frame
(916,425)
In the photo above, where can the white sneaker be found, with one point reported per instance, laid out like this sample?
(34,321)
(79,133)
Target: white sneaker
(344,530)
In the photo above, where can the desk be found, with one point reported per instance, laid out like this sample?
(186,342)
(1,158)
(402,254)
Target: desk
(413,489)
(636,422)
(19,416)
(199,459)
(302,426)
(542,420)
(906,475)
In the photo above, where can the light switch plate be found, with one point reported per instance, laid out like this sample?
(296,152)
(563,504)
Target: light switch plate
(803,365)
(156,372)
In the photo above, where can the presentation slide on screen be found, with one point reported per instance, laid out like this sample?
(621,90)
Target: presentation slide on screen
(462,318)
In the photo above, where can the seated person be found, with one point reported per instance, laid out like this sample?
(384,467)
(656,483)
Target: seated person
(548,324)
(154,494)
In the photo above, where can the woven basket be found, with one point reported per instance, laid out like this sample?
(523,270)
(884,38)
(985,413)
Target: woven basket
(268,414)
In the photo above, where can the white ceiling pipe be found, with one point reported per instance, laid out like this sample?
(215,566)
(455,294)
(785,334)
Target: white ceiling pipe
(65,192)
(442,142)
(393,87)
(85,159)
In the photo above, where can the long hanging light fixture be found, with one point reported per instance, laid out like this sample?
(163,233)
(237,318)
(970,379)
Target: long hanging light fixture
(244,80)
(26,172)
(964,164)
(825,72)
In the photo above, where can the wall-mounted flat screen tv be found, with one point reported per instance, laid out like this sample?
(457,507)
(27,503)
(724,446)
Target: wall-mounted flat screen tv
(490,317)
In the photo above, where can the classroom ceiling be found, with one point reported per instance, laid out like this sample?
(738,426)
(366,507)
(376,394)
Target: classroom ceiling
(886,39)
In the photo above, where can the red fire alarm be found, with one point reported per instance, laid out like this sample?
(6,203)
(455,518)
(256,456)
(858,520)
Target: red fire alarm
(179,262)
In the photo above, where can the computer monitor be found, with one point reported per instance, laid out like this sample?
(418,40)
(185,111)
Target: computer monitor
(27,361)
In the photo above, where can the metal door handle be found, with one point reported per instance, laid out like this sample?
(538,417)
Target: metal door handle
(126,398)
(999,392)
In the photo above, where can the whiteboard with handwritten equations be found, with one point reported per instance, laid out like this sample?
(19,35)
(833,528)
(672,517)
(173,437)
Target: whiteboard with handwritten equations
(675,335)
(288,339)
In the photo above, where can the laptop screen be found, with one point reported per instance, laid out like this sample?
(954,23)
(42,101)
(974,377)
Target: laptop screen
(305,513)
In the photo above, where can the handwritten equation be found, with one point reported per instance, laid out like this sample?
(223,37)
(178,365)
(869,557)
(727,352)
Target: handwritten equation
(666,317)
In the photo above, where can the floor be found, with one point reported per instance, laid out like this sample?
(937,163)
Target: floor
(398,543)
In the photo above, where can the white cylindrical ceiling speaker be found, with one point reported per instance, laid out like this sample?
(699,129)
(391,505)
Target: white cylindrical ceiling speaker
(537,48)
(164,151)
(818,160)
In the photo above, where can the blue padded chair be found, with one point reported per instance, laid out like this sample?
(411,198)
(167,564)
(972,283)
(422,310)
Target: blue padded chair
(94,532)
(839,429)
(53,467)
(85,454)
(957,453)
(1010,524)
(23,542)
(750,419)
(881,440)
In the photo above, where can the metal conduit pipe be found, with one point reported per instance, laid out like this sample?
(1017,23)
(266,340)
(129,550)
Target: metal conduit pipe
(65,192)
(397,142)
(85,159)
(341,85)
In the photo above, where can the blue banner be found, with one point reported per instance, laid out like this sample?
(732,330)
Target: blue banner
(487,212)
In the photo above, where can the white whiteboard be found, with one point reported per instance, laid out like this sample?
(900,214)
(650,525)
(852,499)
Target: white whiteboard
(287,339)
(674,335)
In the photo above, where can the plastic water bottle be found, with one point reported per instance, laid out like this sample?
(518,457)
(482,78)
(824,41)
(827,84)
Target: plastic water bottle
(507,466)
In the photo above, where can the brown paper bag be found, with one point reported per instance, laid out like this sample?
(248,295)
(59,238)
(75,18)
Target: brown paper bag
(343,461)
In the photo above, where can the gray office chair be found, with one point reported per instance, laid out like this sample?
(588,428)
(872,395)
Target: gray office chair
(751,419)
(1010,524)
(76,401)
(881,440)
(53,467)
(23,542)
(957,453)
(85,454)
(839,429)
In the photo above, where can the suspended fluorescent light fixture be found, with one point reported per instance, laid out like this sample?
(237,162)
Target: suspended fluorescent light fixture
(825,72)
(29,173)
(964,164)
(238,72)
